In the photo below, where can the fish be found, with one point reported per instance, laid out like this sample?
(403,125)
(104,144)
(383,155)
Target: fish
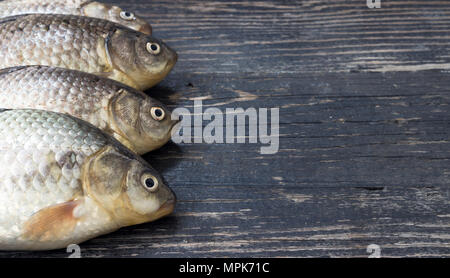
(138,121)
(64,181)
(86,44)
(76,7)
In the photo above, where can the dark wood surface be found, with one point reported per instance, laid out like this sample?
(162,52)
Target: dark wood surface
(364,154)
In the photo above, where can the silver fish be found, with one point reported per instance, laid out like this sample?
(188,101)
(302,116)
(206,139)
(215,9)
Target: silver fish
(138,121)
(63,181)
(75,7)
(86,44)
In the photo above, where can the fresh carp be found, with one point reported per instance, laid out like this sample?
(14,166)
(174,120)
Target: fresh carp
(63,181)
(75,7)
(86,44)
(138,121)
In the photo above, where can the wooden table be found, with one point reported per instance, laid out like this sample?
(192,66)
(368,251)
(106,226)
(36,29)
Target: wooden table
(364,152)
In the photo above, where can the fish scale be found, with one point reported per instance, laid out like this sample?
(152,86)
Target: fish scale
(16,126)
(57,190)
(71,7)
(86,44)
(84,96)
(54,40)
(42,6)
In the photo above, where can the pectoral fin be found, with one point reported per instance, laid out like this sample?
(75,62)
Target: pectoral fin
(53,222)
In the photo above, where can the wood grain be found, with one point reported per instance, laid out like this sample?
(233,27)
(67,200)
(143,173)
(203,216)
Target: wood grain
(364,131)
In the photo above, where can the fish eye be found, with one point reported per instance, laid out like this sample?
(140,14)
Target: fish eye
(153,48)
(127,15)
(149,182)
(158,113)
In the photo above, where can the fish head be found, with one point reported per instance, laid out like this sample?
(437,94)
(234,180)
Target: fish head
(143,121)
(144,59)
(117,15)
(127,187)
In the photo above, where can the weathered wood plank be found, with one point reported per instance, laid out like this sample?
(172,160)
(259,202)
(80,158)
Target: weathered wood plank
(364,131)
(286,221)
(303,36)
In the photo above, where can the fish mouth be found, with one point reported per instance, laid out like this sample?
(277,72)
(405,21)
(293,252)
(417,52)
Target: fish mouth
(169,66)
(167,208)
(172,61)
(175,58)
(146,29)
(164,210)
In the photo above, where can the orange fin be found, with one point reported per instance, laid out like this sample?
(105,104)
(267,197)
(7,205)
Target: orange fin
(52,222)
